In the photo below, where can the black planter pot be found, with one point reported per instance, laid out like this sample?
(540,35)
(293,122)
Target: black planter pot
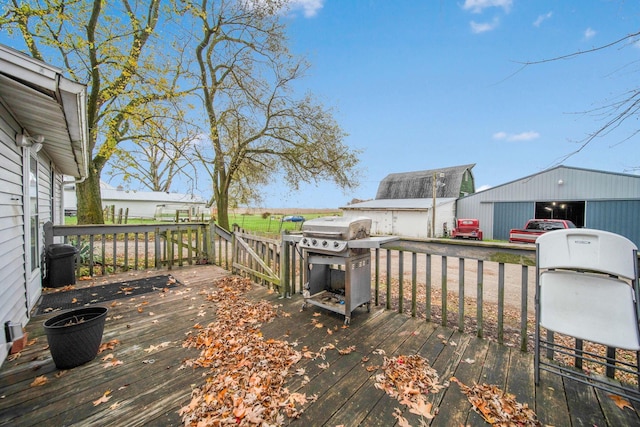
(75,335)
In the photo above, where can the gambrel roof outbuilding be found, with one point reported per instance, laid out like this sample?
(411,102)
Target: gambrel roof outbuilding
(454,181)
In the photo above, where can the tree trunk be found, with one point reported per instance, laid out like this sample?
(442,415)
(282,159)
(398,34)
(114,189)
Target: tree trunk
(222,203)
(90,200)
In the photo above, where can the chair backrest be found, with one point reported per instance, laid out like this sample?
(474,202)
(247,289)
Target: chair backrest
(587,249)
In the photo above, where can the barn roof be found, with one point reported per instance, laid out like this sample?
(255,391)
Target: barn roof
(419,184)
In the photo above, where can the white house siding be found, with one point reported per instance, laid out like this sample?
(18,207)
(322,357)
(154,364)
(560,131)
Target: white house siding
(57,202)
(13,301)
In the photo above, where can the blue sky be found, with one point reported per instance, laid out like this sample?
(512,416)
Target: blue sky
(426,84)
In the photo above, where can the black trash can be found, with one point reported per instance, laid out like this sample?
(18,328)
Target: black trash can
(61,265)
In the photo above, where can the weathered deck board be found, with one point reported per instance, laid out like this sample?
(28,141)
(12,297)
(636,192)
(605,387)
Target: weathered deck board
(151,394)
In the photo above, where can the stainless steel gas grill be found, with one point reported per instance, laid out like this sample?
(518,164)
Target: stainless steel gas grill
(338,263)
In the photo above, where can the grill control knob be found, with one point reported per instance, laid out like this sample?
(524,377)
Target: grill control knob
(304,241)
(325,243)
(336,244)
(314,242)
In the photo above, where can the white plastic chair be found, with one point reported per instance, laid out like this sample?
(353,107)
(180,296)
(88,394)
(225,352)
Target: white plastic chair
(587,288)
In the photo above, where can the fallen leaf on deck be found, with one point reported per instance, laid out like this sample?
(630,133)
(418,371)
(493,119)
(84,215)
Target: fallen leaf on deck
(114,362)
(105,398)
(319,325)
(402,421)
(157,347)
(74,300)
(421,407)
(469,361)
(110,345)
(347,350)
(621,402)
(41,380)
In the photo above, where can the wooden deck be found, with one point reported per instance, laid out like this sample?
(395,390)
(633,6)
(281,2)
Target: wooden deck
(151,385)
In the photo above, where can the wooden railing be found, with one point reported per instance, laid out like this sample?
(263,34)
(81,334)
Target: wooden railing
(482,288)
(412,276)
(106,249)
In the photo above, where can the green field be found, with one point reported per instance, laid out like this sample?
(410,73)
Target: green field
(273,223)
(266,222)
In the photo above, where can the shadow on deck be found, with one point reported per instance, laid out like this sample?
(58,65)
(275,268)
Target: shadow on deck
(151,385)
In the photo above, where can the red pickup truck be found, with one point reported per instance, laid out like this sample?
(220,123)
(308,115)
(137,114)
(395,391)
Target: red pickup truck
(537,227)
(467,229)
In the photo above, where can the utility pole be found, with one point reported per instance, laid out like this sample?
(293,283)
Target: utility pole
(433,205)
(436,184)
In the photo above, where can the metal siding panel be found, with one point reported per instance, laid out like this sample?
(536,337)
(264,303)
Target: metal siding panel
(616,216)
(508,215)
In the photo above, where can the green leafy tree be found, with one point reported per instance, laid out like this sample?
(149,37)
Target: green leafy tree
(257,130)
(110,46)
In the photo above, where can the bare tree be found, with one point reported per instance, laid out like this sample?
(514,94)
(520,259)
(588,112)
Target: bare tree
(257,128)
(158,153)
(614,113)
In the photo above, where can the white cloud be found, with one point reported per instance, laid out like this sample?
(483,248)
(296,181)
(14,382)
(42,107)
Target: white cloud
(542,18)
(483,27)
(589,33)
(477,6)
(482,188)
(310,8)
(522,136)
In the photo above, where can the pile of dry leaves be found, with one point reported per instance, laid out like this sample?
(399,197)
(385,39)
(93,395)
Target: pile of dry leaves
(409,379)
(245,384)
(497,407)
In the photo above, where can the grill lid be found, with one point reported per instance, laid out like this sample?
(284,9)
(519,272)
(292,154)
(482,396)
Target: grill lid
(337,227)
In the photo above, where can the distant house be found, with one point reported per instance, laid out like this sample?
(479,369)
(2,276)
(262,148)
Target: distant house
(404,204)
(143,204)
(43,137)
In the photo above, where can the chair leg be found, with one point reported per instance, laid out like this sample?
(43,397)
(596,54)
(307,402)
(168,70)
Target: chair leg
(536,356)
